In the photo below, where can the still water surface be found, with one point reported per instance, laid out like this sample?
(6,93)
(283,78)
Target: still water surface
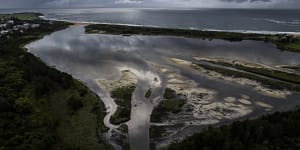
(96,56)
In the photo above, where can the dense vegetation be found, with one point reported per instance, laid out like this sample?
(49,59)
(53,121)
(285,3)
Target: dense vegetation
(156,132)
(22,16)
(289,43)
(295,68)
(122,97)
(42,108)
(172,103)
(273,132)
(289,46)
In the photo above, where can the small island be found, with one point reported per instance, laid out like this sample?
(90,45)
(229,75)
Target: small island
(282,41)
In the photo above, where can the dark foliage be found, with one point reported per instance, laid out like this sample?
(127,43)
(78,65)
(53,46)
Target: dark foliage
(273,132)
(122,97)
(284,42)
(172,103)
(74,103)
(31,95)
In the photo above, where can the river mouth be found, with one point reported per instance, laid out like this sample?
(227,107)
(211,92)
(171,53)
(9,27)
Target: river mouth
(90,57)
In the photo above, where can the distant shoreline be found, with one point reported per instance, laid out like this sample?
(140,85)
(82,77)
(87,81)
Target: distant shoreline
(196,29)
(264,32)
(287,42)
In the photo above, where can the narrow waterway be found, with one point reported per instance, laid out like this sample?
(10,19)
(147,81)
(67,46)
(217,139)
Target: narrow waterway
(89,57)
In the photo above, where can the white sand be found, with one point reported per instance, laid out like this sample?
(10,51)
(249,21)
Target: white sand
(230,99)
(201,100)
(220,110)
(244,101)
(245,96)
(127,79)
(244,81)
(262,104)
(180,61)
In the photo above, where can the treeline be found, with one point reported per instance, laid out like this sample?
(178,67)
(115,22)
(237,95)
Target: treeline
(279,131)
(22,16)
(40,107)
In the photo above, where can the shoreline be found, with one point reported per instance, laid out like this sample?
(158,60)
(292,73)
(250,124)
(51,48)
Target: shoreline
(285,42)
(296,34)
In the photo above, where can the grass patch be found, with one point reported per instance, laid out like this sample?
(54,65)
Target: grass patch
(122,97)
(265,81)
(148,93)
(172,103)
(173,106)
(290,46)
(276,74)
(254,68)
(22,16)
(296,68)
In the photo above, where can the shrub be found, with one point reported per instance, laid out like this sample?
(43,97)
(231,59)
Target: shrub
(74,103)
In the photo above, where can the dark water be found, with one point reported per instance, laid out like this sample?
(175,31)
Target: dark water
(216,19)
(95,56)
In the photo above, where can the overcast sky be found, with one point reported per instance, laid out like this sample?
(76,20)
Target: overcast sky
(151,3)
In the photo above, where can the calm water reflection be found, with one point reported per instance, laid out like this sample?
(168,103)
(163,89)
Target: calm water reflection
(90,57)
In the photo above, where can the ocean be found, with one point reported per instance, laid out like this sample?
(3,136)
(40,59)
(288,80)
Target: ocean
(238,20)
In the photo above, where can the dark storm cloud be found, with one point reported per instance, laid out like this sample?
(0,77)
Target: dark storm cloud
(241,1)
(151,3)
(46,3)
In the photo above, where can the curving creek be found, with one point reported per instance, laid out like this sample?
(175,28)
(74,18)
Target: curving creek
(93,57)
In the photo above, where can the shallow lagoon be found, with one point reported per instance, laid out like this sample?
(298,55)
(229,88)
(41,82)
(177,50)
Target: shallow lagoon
(89,57)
